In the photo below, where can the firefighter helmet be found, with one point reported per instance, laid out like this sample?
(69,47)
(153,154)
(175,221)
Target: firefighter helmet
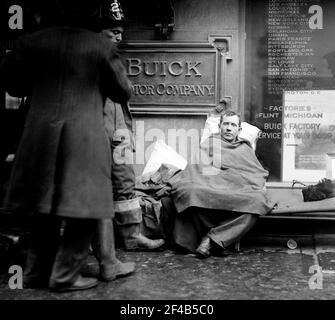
(110,14)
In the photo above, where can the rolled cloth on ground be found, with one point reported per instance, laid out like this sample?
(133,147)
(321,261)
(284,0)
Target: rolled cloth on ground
(229,178)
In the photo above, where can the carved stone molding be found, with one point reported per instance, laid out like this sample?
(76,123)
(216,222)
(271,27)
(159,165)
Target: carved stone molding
(222,43)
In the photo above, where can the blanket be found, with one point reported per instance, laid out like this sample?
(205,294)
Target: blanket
(229,177)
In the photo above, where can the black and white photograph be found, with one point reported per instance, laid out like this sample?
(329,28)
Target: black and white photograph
(167,155)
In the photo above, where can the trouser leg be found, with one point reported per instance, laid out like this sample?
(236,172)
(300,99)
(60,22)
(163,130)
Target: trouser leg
(121,141)
(103,243)
(232,229)
(168,217)
(189,228)
(123,178)
(72,252)
(123,174)
(128,213)
(43,244)
(223,228)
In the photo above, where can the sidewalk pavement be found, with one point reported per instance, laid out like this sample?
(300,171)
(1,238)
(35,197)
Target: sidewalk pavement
(258,272)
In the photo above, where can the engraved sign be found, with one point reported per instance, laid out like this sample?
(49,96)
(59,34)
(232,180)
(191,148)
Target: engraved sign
(172,76)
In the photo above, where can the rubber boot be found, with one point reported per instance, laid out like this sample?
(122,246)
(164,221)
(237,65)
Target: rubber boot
(134,240)
(103,245)
(128,218)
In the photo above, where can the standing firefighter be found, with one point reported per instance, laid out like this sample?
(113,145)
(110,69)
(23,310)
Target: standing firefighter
(128,213)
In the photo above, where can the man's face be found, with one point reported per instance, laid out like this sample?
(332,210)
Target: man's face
(114,34)
(230,128)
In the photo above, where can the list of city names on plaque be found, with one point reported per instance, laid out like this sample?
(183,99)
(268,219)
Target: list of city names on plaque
(290,59)
(289,45)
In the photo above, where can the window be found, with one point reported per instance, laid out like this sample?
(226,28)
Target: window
(290,85)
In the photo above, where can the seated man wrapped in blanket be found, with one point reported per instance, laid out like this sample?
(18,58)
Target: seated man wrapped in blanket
(214,203)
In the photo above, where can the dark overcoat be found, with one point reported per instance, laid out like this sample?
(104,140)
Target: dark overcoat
(63,163)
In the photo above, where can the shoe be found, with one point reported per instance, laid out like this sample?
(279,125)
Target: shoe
(204,248)
(82,283)
(117,269)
